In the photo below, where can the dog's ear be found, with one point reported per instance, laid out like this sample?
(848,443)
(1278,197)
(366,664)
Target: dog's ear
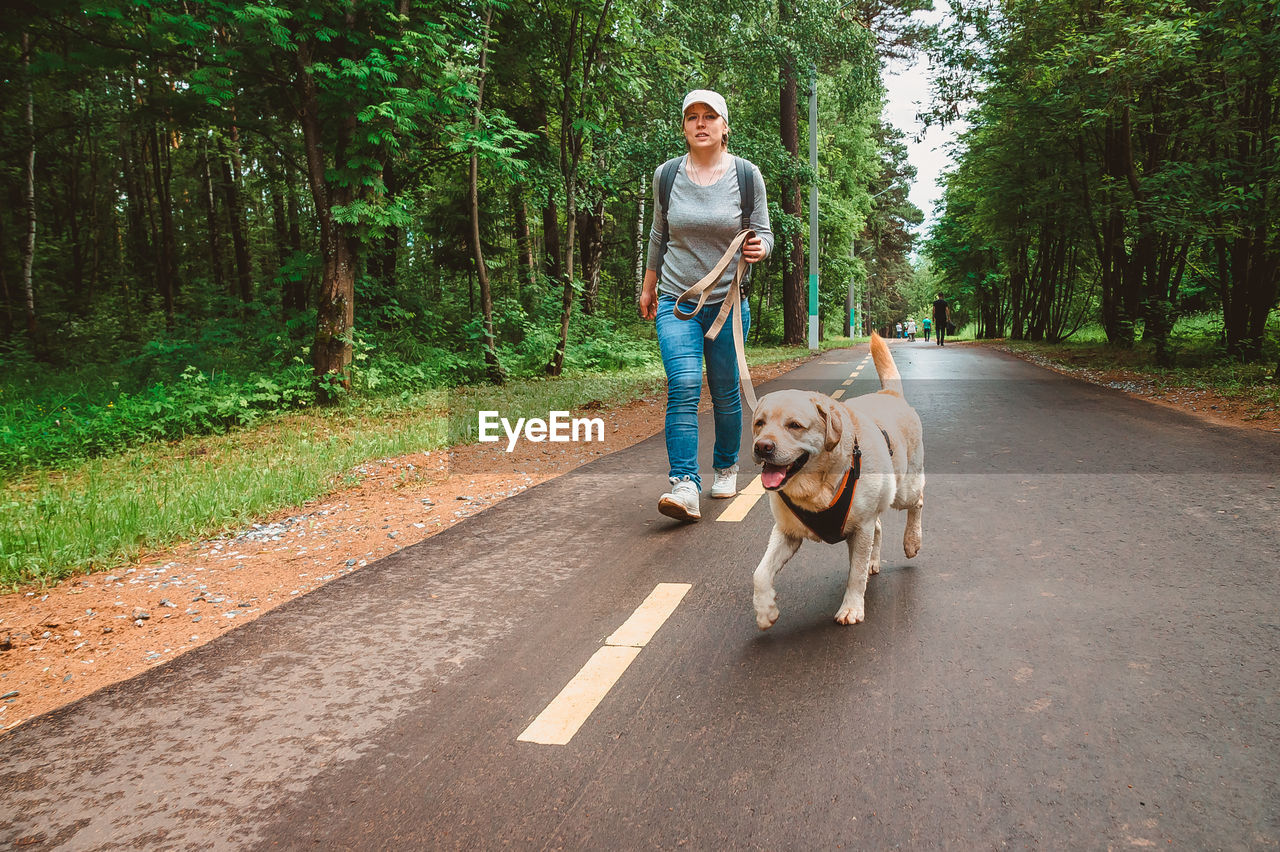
(828,410)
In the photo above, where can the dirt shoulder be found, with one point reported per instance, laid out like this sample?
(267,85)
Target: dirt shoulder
(61,643)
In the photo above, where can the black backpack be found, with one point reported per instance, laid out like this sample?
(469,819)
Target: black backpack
(746,191)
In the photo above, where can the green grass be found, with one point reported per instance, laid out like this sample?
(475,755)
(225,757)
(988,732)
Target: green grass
(1199,362)
(96,514)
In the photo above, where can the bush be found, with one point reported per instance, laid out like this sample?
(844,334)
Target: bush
(211,381)
(40,433)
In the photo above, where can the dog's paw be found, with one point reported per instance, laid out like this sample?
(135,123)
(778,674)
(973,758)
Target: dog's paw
(851,614)
(873,568)
(766,618)
(911,548)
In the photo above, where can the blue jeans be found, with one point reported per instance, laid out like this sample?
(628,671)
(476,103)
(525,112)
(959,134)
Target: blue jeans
(683,349)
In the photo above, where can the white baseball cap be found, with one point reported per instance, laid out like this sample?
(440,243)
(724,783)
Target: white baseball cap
(708,97)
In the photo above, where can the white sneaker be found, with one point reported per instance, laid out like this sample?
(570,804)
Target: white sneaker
(726,482)
(681,502)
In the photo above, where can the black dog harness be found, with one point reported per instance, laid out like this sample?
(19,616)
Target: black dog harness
(828,524)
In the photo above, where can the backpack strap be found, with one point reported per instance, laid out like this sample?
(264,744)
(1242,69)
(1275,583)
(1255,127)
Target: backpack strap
(666,179)
(746,192)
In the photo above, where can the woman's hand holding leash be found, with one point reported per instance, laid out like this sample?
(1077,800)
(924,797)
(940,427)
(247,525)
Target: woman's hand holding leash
(753,250)
(649,296)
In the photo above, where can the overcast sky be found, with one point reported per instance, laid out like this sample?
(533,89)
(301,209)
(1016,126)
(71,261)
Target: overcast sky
(908,94)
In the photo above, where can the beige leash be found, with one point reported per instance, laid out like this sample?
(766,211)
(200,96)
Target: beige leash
(732,302)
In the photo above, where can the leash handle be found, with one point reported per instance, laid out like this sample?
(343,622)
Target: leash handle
(732,302)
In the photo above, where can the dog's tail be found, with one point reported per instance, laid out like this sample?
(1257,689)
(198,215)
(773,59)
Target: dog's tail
(890,378)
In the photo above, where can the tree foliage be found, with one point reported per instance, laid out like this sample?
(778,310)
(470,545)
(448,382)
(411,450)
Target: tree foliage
(1123,163)
(467,182)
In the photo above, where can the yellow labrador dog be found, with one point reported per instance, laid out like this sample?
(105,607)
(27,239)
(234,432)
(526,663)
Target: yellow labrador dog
(831,469)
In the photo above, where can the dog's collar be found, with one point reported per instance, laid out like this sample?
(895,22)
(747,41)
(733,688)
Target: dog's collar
(828,524)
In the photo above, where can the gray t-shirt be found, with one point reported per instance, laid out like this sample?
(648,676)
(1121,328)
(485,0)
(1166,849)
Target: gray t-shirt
(703,220)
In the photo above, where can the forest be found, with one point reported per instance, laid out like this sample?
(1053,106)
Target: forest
(215,212)
(1122,167)
(312,199)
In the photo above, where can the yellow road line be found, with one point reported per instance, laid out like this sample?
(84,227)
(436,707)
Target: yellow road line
(637,630)
(839,393)
(742,504)
(565,714)
(847,382)
(562,718)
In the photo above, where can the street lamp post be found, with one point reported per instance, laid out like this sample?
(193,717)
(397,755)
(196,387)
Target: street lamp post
(813,207)
(851,298)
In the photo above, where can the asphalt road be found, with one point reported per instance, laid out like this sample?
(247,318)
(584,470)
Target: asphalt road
(1082,656)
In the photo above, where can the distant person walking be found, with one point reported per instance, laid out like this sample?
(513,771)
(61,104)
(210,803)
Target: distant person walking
(941,316)
(911,330)
(897,330)
(927,325)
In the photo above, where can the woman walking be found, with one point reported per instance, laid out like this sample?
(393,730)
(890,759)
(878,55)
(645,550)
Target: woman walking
(692,228)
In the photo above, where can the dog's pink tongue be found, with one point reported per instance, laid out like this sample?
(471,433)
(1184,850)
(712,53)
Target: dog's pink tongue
(773,475)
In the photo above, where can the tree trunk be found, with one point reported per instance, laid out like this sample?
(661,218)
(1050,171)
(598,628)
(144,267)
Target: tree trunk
(1017,285)
(301,285)
(95,229)
(591,224)
(280,229)
(571,145)
(568,173)
(524,243)
(235,218)
(73,219)
(335,311)
(642,242)
(166,251)
(1253,278)
(4,287)
(143,141)
(29,197)
(1117,300)
(556,365)
(492,367)
(1160,306)
(795,307)
(552,261)
(211,219)
(134,254)
(387,248)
